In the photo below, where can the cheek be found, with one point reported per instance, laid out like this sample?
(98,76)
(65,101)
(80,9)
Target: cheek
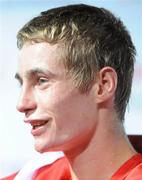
(70,110)
(53,99)
(72,117)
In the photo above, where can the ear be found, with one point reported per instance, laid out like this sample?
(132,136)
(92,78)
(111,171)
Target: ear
(106,85)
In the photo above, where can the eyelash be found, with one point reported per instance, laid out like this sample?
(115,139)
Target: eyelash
(42,80)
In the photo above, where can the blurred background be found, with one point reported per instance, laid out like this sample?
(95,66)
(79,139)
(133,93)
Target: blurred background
(16,142)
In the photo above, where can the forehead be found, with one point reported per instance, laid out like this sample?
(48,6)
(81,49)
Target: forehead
(41,55)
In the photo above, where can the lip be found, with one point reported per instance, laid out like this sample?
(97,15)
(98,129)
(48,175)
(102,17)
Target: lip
(39,126)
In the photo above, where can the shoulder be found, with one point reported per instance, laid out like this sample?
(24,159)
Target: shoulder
(130,170)
(43,161)
(136,173)
(11,177)
(57,170)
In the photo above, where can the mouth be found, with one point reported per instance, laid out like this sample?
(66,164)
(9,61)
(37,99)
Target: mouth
(39,126)
(38,123)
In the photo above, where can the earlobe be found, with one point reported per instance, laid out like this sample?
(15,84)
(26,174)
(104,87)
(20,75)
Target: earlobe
(106,84)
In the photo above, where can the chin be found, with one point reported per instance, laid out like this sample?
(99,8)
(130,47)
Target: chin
(40,148)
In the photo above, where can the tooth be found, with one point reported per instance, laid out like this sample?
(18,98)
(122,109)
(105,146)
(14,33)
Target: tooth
(38,124)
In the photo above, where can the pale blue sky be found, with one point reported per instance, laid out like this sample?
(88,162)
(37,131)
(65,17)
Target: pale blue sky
(14,134)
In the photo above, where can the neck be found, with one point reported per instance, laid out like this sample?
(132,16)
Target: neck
(103,154)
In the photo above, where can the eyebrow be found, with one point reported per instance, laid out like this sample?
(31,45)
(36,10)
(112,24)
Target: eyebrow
(34,72)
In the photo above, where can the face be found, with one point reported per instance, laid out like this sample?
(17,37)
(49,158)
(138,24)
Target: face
(61,117)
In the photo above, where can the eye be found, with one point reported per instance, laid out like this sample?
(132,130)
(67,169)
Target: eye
(42,81)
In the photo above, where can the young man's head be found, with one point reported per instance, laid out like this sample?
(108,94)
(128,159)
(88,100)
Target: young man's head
(83,40)
(92,38)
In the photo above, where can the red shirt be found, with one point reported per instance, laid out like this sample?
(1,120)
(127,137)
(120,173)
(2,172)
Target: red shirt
(130,170)
(59,170)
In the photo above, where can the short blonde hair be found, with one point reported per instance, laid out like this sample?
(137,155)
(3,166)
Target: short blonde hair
(92,38)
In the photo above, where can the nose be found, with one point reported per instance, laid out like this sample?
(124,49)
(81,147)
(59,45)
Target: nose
(26,102)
